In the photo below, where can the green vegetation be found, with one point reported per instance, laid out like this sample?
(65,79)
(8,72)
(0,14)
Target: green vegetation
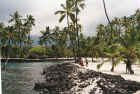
(15,37)
(71,10)
(36,52)
(119,40)
(123,42)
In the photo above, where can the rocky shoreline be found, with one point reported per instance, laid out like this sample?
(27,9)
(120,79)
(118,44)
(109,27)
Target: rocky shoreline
(70,78)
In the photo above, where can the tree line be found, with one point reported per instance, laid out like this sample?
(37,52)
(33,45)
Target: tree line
(15,38)
(119,43)
(119,40)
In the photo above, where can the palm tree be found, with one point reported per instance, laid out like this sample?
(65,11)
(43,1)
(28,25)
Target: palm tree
(114,53)
(105,10)
(46,37)
(17,24)
(10,34)
(93,48)
(3,39)
(1,31)
(101,31)
(29,23)
(117,22)
(73,40)
(125,42)
(79,4)
(137,20)
(67,13)
(131,44)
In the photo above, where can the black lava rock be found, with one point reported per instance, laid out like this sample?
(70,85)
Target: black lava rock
(69,78)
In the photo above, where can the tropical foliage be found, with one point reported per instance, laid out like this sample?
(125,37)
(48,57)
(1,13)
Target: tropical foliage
(119,40)
(15,38)
(122,43)
(36,52)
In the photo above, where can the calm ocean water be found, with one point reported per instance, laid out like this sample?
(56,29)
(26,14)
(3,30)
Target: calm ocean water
(19,78)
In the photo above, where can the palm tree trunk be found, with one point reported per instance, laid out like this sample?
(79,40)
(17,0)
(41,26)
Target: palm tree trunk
(20,48)
(106,13)
(78,56)
(112,69)
(107,17)
(92,56)
(71,38)
(29,38)
(129,66)
(92,59)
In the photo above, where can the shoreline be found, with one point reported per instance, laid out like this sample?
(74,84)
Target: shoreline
(118,70)
(19,60)
(79,80)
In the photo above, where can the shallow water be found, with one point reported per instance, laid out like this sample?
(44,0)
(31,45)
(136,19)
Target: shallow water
(19,78)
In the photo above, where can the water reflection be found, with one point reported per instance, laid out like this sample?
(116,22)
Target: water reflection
(20,78)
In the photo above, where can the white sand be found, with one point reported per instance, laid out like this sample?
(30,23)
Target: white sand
(118,70)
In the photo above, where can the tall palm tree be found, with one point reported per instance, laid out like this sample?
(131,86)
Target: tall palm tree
(17,24)
(105,10)
(3,40)
(67,13)
(79,4)
(1,31)
(10,33)
(29,23)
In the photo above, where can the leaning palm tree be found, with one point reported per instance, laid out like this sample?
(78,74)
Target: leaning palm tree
(114,53)
(105,10)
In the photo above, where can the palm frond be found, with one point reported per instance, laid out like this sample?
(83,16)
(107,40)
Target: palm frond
(100,65)
(62,17)
(59,12)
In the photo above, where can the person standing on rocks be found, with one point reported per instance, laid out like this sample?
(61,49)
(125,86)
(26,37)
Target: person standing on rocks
(81,62)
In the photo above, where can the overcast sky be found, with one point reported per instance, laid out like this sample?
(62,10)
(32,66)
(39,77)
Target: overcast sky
(43,11)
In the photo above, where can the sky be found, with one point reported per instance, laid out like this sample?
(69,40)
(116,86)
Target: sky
(90,17)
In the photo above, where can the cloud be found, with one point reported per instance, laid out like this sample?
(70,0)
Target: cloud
(90,17)
(94,12)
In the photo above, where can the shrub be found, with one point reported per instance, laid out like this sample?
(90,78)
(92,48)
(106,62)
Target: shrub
(36,52)
(68,52)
